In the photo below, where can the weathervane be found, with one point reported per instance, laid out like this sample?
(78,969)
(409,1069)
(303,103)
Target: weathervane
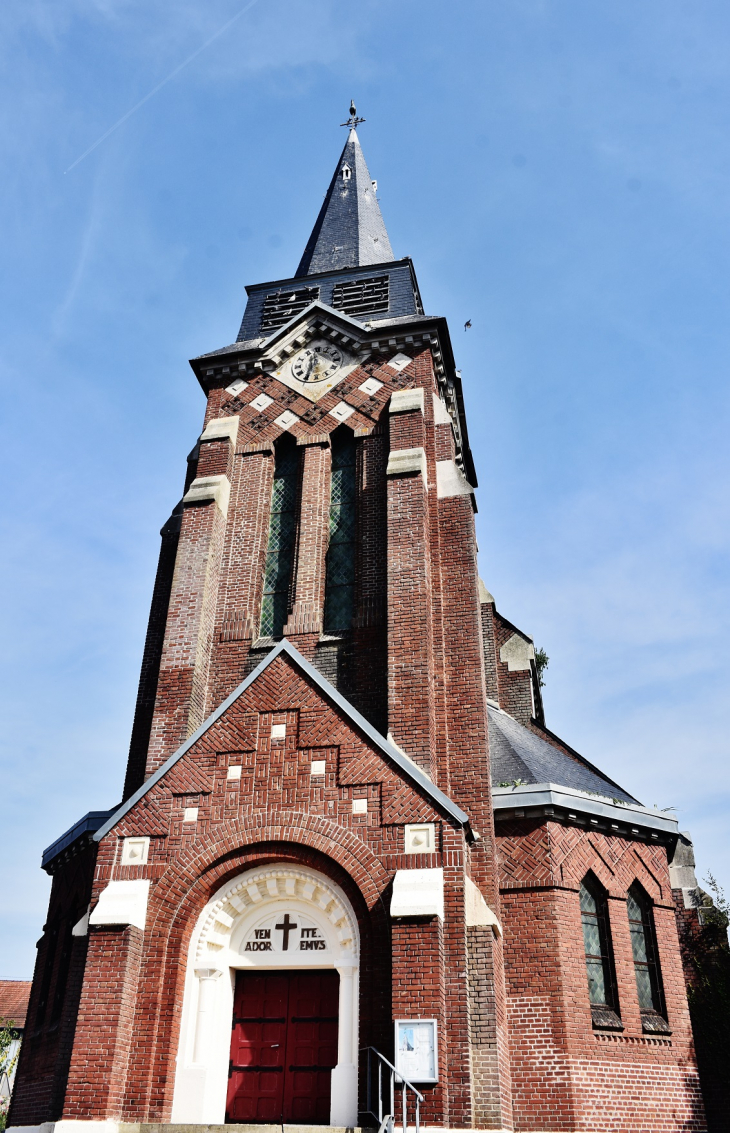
(353,121)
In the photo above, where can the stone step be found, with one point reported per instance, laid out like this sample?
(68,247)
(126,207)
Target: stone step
(144,1127)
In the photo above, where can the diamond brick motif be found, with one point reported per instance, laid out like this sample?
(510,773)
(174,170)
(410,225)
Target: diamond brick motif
(372,385)
(286,419)
(263,401)
(237,386)
(399,362)
(342,411)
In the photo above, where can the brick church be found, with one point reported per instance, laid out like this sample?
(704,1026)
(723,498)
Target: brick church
(348,840)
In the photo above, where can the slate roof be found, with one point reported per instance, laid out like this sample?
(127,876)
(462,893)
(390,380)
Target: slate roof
(14,996)
(349,230)
(517,753)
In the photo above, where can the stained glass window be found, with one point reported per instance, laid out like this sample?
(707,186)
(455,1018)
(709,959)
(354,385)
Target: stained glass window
(597,943)
(282,540)
(340,565)
(643,946)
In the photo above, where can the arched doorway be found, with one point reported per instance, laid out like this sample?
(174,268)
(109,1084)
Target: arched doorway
(271,1002)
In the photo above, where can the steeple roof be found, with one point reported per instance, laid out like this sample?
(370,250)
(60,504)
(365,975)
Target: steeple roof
(349,231)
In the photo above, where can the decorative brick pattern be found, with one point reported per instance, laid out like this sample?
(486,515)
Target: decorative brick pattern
(516,1043)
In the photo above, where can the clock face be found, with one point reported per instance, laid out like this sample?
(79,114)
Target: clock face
(316,363)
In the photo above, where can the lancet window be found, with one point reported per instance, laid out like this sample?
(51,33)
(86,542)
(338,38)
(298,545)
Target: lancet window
(645,952)
(598,952)
(281,546)
(340,563)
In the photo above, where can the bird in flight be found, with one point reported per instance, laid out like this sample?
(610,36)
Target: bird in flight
(467,324)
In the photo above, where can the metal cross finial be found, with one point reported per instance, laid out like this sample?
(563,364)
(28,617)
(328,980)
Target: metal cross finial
(353,121)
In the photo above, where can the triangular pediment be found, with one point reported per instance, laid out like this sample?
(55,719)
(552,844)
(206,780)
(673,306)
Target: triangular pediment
(407,770)
(316,350)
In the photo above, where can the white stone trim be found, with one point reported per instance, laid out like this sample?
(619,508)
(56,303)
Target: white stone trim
(205,488)
(441,414)
(399,361)
(450,480)
(81,928)
(477,910)
(220,428)
(122,902)
(418,893)
(420,838)
(405,400)
(107,1126)
(517,653)
(405,460)
(135,850)
(217,951)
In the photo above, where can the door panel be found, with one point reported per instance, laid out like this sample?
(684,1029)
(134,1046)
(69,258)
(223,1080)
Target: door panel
(258,1044)
(283,1047)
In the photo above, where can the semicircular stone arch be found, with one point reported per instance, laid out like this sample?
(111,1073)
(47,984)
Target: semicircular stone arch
(240,916)
(250,893)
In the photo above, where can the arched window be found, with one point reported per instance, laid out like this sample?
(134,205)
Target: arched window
(599,954)
(276,601)
(646,958)
(340,566)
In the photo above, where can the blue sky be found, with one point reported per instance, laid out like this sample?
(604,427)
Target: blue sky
(557,169)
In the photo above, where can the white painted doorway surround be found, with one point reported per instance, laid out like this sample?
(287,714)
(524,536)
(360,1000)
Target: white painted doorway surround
(234,932)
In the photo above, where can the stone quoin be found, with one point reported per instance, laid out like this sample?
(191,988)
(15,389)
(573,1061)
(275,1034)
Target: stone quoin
(345,822)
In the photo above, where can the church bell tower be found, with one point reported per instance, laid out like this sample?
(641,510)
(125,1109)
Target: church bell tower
(328,503)
(301,887)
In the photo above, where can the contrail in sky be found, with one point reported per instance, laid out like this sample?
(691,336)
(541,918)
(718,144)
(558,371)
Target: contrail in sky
(160,85)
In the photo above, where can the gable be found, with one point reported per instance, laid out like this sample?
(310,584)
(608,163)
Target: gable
(268,394)
(311,721)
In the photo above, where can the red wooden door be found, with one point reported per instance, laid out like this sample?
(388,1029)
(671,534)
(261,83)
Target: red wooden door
(258,1045)
(283,1047)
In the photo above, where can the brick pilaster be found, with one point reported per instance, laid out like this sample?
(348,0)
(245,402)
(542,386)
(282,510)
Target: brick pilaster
(307,612)
(410,625)
(419,992)
(104,1031)
(182,690)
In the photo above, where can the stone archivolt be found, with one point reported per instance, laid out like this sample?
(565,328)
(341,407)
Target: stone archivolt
(253,891)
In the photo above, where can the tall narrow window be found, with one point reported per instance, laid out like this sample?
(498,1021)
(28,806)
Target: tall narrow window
(599,956)
(646,960)
(282,540)
(340,572)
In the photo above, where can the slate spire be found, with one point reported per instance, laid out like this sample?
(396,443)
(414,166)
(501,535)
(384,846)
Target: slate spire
(349,231)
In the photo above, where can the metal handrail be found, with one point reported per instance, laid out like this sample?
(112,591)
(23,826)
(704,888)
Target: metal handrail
(385,1112)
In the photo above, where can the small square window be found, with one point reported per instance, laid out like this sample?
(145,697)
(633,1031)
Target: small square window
(190,814)
(318,766)
(359,806)
(234,772)
(135,851)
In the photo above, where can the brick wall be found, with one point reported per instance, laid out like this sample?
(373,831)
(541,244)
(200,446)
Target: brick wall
(566,1074)
(45,1053)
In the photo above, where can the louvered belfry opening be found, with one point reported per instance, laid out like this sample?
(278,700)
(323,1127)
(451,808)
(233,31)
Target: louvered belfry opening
(362,296)
(282,306)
